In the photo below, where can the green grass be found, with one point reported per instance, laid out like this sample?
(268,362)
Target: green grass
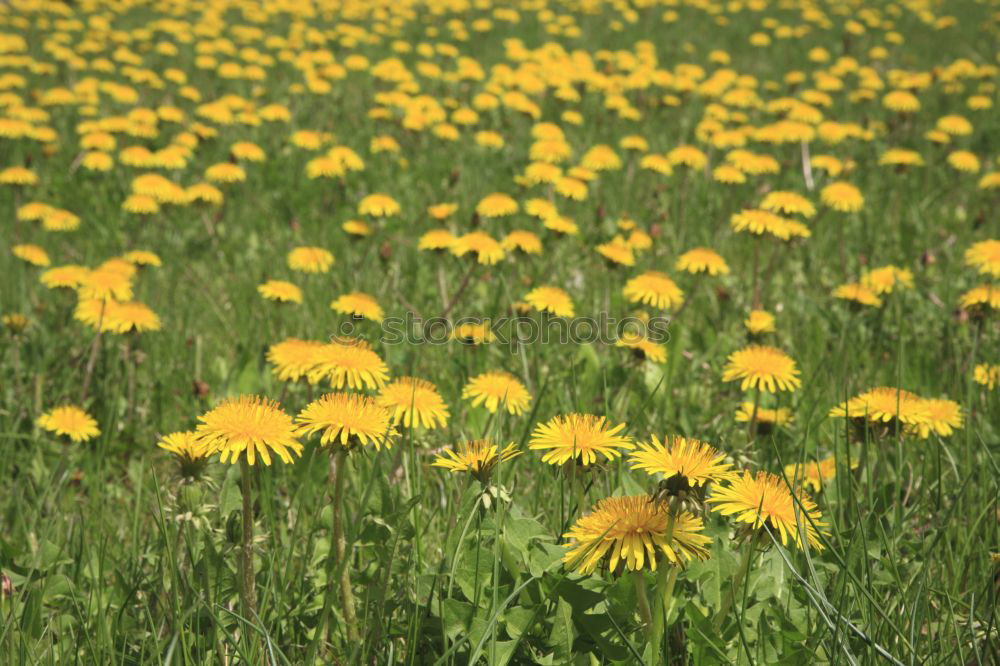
(110,557)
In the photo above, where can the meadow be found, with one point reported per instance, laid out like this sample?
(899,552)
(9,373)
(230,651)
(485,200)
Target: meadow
(499,332)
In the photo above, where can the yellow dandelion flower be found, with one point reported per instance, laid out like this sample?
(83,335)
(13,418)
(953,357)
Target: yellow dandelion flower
(140,204)
(762,367)
(33,211)
(250,426)
(684,462)
(60,220)
(634,532)
(496,205)
(759,222)
(814,474)
(639,240)
(525,241)
(349,362)
(356,228)
(765,500)
(829,164)
(901,101)
(702,260)
(954,124)
(69,421)
(884,404)
(14,322)
(280,291)
(436,239)
(188,449)
(857,293)
(990,181)
(473,333)
(349,420)
(642,347)
(129,316)
(655,289)
(657,164)
(842,197)
(964,161)
(415,402)
(225,172)
(204,193)
(984,256)
(982,296)
(32,254)
(571,188)
(552,300)
(537,173)
(789,203)
(246,150)
(901,157)
(293,358)
(759,321)
(18,176)
(617,251)
(493,389)
(442,211)
(70,276)
(601,158)
(378,205)
(310,259)
(579,436)
(106,283)
(142,258)
(358,304)
(943,418)
(728,175)
(884,279)
(688,156)
(478,458)
(488,250)
(562,225)
(766,418)
(987,375)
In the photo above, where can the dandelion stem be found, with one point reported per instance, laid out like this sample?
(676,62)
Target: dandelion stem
(741,572)
(95,347)
(458,293)
(665,587)
(756,270)
(642,596)
(807,172)
(248,591)
(130,369)
(338,470)
(752,428)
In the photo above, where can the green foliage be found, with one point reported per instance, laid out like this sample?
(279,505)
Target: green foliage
(109,555)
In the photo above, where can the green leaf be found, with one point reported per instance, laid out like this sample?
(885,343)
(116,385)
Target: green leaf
(504,651)
(519,532)
(248,381)
(456,616)
(31,615)
(543,556)
(653,377)
(562,634)
(474,576)
(579,597)
(601,632)
(517,620)
(230,497)
(768,581)
(56,587)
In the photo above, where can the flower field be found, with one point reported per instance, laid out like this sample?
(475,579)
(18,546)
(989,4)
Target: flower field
(499,332)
